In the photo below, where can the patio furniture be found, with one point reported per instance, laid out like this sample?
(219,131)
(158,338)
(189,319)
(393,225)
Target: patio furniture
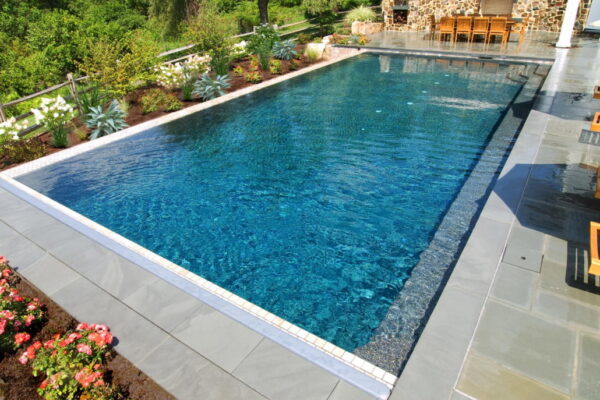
(594,268)
(597,92)
(481,26)
(446,27)
(432,25)
(463,27)
(595,123)
(499,27)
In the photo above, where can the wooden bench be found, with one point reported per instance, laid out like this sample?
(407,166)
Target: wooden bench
(594,258)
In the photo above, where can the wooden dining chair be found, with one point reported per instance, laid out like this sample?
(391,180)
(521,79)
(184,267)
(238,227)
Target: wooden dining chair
(498,27)
(446,27)
(463,27)
(481,26)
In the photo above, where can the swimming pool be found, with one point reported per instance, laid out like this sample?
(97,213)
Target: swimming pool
(313,199)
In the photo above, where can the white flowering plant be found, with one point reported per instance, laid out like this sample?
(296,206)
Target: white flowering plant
(173,76)
(239,50)
(53,114)
(9,130)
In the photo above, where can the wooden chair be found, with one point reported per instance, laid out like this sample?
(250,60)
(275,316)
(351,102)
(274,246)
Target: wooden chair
(463,27)
(446,27)
(594,268)
(432,26)
(498,27)
(481,26)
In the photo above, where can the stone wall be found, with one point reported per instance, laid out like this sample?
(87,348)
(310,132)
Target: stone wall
(543,15)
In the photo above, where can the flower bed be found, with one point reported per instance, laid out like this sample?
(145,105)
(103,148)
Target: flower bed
(70,360)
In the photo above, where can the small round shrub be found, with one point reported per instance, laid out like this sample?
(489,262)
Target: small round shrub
(362,13)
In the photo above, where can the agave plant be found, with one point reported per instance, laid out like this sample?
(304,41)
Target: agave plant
(208,88)
(105,122)
(284,50)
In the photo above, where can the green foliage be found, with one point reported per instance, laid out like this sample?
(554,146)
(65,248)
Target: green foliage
(362,13)
(359,39)
(312,55)
(275,67)
(285,50)
(18,151)
(212,32)
(293,65)
(317,7)
(105,122)
(172,13)
(263,39)
(253,77)
(238,70)
(120,65)
(208,88)
(157,100)
(264,55)
(91,98)
(304,38)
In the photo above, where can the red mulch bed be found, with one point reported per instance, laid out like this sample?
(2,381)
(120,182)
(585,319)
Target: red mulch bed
(19,384)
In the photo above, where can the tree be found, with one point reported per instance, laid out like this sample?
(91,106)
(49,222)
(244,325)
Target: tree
(323,9)
(173,12)
(263,9)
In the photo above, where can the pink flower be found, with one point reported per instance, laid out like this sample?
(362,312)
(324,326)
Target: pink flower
(2,326)
(7,314)
(32,306)
(23,359)
(73,337)
(84,348)
(3,261)
(21,338)
(29,319)
(6,272)
(82,326)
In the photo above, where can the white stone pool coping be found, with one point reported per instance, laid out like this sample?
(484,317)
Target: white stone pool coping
(379,382)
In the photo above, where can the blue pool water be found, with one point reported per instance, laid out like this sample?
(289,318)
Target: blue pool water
(313,198)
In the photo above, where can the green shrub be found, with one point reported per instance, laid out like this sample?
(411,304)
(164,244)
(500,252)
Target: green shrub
(304,38)
(157,100)
(362,13)
(275,67)
(285,50)
(238,70)
(22,150)
(118,67)
(263,39)
(264,55)
(293,65)
(253,77)
(105,122)
(207,88)
(91,98)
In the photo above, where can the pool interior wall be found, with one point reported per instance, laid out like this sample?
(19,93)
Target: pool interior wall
(264,190)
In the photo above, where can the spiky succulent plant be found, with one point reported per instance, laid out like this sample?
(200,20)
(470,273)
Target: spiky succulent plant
(105,122)
(208,88)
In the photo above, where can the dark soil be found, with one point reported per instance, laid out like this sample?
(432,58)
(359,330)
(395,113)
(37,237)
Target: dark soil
(20,384)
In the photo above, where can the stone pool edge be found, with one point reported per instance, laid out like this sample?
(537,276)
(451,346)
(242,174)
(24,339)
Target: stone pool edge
(326,355)
(442,348)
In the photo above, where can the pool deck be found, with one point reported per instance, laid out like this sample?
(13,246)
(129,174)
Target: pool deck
(516,319)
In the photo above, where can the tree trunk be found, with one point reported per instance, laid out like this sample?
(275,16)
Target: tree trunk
(263,9)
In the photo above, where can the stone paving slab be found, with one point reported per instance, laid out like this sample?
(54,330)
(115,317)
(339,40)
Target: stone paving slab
(515,285)
(528,344)
(345,391)
(485,379)
(187,375)
(588,384)
(280,374)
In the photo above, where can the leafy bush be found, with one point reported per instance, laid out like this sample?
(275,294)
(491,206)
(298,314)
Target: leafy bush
(285,50)
(264,55)
(19,315)
(212,31)
(172,76)
(362,13)
(254,63)
(304,38)
(208,88)
(253,77)
(22,150)
(339,39)
(53,114)
(119,66)
(263,39)
(72,364)
(105,122)
(157,100)
(275,67)
(238,70)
